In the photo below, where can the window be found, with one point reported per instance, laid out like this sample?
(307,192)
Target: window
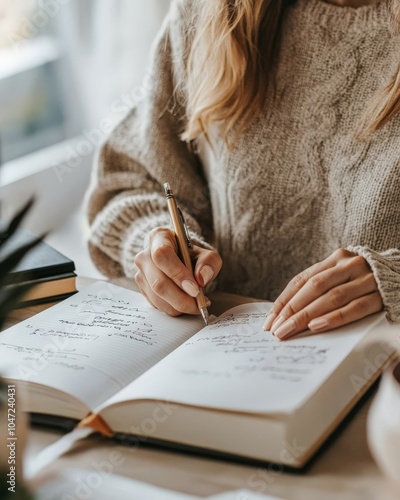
(63,66)
(32,81)
(64,62)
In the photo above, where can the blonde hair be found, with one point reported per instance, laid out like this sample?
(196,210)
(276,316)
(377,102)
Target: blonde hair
(232,58)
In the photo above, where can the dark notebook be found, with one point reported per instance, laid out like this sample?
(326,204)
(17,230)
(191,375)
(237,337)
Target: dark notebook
(42,261)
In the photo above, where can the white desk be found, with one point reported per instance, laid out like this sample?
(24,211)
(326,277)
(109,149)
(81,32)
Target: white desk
(344,469)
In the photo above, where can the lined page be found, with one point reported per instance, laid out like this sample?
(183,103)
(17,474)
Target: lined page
(92,344)
(234,365)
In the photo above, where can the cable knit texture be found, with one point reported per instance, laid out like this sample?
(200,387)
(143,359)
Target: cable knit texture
(295,187)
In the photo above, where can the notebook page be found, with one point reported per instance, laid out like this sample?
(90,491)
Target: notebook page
(92,344)
(234,365)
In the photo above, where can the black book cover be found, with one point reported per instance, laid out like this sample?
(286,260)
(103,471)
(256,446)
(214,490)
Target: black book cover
(43,261)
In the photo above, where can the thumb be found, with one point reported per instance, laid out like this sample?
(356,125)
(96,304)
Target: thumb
(208,265)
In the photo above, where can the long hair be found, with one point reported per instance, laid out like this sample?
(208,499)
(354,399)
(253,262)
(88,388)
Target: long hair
(232,58)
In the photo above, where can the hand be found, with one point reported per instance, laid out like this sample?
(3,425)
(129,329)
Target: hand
(165,281)
(332,293)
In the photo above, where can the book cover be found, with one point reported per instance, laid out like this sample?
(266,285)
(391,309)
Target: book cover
(41,262)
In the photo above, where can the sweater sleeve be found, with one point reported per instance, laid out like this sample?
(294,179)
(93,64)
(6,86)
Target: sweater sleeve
(125,200)
(386,268)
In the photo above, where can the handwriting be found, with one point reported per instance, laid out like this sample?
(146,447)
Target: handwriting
(237,319)
(41,332)
(35,354)
(70,366)
(108,335)
(44,352)
(246,350)
(207,373)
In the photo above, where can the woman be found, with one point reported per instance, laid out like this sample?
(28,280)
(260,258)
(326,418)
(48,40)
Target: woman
(276,123)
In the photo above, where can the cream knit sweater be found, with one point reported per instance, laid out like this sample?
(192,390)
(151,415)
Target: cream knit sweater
(295,187)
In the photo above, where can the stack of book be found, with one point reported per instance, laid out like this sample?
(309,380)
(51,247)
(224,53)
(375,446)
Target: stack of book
(51,274)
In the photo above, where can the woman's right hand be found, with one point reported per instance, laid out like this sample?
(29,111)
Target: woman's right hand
(165,281)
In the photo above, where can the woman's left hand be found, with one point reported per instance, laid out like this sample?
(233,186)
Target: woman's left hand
(332,293)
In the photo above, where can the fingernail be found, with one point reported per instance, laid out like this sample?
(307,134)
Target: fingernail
(286,329)
(318,324)
(208,302)
(277,323)
(190,288)
(268,322)
(207,273)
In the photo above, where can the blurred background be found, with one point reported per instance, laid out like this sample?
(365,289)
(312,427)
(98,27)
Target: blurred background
(69,71)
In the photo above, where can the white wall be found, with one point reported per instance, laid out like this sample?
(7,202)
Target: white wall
(57,184)
(59,190)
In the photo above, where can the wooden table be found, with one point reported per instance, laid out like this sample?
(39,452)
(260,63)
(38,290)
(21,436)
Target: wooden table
(343,469)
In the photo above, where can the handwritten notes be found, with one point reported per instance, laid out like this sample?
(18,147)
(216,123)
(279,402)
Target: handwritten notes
(241,334)
(106,345)
(234,365)
(93,344)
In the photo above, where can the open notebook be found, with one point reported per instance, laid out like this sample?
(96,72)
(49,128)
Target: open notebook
(229,388)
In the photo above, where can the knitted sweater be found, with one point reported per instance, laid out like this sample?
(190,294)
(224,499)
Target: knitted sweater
(295,187)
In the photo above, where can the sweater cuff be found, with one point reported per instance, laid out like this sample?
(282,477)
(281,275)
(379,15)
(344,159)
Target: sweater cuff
(138,238)
(386,269)
(122,246)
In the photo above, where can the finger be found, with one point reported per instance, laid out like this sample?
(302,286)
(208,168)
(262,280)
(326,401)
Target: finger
(291,289)
(153,299)
(143,292)
(208,265)
(357,309)
(141,281)
(315,287)
(333,300)
(318,285)
(158,286)
(163,254)
(341,263)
